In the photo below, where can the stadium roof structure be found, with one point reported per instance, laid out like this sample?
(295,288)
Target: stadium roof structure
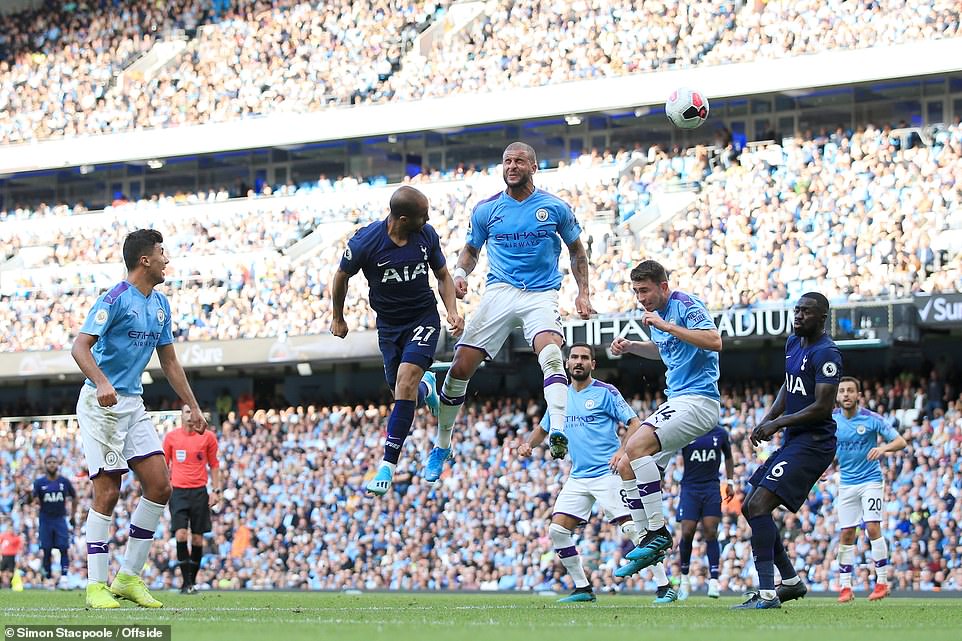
(830,69)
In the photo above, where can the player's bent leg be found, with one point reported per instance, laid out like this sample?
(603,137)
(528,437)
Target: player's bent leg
(153,474)
(547,345)
(685,546)
(398,425)
(640,449)
(564,546)
(846,560)
(757,510)
(451,398)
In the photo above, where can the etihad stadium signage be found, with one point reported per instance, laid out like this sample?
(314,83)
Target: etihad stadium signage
(732,324)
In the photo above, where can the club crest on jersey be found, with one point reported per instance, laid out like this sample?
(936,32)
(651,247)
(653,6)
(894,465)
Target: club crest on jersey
(590,404)
(541,214)
(101,316)
(829,369)
(161,316)
(347,254)
(860,430)
(424,252)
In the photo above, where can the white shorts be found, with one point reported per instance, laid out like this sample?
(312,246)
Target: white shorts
(578,496)
(114,436)
(858,503)
(503,308)
(680,420)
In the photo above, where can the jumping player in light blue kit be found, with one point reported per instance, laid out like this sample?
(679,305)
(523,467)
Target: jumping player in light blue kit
(395,255)
(594,412)
(860,491)
(523,228)
(684,337)
(122,331)
(803,408)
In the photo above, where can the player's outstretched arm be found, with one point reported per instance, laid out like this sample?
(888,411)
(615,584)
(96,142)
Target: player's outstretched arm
(579,269)
(644,349)
(338,295)
(536,438)
(177,378)
(449,298)
(467,261)
(896,444)
(81,352)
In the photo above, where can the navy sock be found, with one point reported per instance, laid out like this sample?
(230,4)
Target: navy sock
(422,393)
(64,561)
(47,562)
(782,562)
(398,426)
(685,561)
(714,554)
(764,535)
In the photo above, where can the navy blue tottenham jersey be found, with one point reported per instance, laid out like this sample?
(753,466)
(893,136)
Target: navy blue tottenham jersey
(397,276)
(806,367)
(53,495)
(704,455)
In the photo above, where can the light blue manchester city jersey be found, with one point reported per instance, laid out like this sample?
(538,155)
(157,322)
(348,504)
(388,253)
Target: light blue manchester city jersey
(523,238)
(130,327)
(856,436)
(591,425)
(691,370)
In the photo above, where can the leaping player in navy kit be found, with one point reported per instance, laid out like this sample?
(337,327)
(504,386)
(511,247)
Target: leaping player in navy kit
(523,228)
(803,408)
(395,255)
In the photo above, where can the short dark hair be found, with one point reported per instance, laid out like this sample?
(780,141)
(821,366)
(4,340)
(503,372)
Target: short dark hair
(590,349)
(649,270)
(407,201)
(526,148)
(852,379)
(140,243)
(819,299)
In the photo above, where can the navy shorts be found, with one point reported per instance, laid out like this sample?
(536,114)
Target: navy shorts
(698,501)
(54,533)
(413,342)
(792,471)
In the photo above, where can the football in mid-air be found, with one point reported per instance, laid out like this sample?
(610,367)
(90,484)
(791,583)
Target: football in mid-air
(687,108)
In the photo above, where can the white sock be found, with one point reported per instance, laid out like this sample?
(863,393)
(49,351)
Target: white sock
(792,581)
(564,547)
(555,385)
(658,572)
(846,558)
(638,516)
(143,524)
(98,555)
(452,398)
(768,595)
(648,477)
(880,554)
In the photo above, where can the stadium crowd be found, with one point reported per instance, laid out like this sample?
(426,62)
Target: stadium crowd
(852,211)
(295,515)
(61,64)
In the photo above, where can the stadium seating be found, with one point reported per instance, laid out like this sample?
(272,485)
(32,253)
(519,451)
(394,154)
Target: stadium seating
(853,212)
(263,57)
(295,516)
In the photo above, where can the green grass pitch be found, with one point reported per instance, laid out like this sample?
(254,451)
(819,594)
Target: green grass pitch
(287,616)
